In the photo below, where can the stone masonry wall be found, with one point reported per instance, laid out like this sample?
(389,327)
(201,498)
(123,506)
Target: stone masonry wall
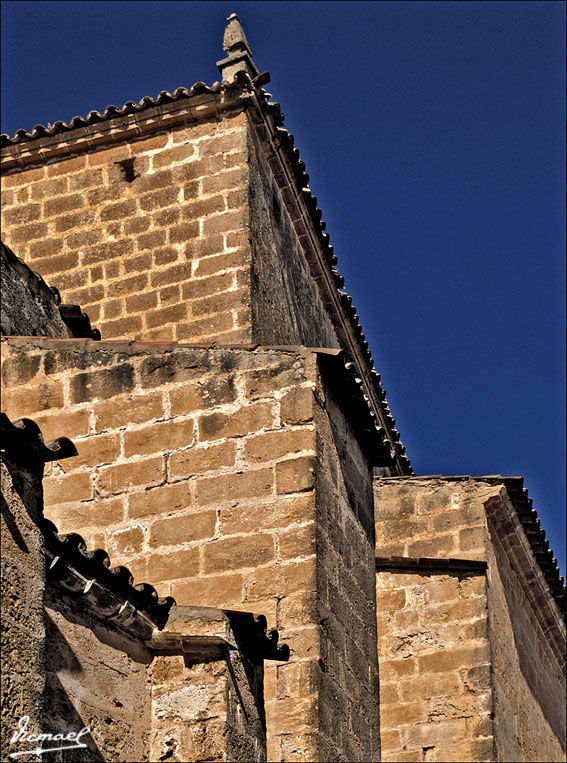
(195,469)
(348,669)
(149,237)
(189,710)
(181,236)
(179,436)
(28,306)
(435,682)
(23,583)
(458,650)
(430,517)
(435,697)
(207,706)
(529,688)
(286,304)
(95,678)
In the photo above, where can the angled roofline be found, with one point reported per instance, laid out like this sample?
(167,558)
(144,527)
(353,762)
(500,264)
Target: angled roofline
(528,521)
(133,121)
(201,102)
(163,102)
(110,592)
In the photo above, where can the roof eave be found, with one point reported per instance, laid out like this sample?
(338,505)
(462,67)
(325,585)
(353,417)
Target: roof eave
(133,122)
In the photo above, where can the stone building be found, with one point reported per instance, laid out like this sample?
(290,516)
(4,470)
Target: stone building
(236,450)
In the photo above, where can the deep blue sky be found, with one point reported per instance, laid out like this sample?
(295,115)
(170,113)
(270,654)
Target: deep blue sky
(433,133)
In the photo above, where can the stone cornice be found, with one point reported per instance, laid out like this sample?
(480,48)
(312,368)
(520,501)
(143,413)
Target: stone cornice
(204,633)
(100,131)
(107,131)
(429,564)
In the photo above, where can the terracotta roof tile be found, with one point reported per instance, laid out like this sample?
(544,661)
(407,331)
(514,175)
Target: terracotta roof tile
(286,141)
(115,596)
(22,441)
(301,178)
(108,591)
(111,112)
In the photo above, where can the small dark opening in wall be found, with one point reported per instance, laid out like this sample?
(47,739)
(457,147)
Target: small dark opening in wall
(128,172)
(276,210)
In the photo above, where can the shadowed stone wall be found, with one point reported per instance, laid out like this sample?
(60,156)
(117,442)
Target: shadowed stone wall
(286,303)
(208,706)
(348,668)
(528,683)
(23,583)
(95,678)
(28,307)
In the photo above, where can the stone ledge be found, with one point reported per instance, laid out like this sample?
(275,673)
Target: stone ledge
(527,515)
(419,564)
(207,633)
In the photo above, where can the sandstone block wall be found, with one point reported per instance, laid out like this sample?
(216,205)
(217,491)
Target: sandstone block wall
(180,236)
(183,236)
(149,237)
(195,469)
(207,706)
(177,446)
(66,668)
(28,306)
(467,667)
(529,686)
(286,303)
(348,667)
(430,517)
(435,688)
(189,710)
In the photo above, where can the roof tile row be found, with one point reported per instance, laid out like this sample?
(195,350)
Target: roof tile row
(243,83)
(68,556)
(111,112)
(530,523)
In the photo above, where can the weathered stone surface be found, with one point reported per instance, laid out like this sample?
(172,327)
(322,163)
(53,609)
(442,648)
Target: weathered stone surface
(98,679)
(209,708)
(529,692)
(23,584)
(286,306)
(98,215)
(458,646)
(348,683)
(237,477)
(28,306)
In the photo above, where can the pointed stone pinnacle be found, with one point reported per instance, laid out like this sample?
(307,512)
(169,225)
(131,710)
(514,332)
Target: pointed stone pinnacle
(239,56)
(234,39)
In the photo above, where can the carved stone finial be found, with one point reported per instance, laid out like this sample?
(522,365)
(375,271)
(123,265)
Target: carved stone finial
(239,56)
(234,38)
